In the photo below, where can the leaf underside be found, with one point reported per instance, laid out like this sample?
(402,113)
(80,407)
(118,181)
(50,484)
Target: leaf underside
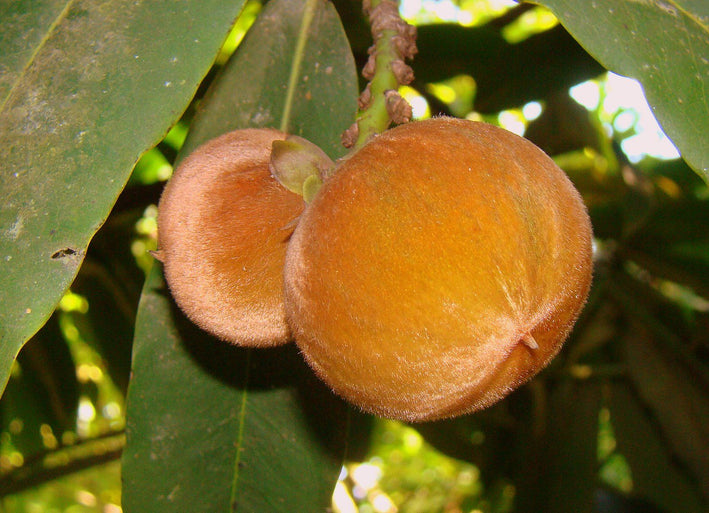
(665,46)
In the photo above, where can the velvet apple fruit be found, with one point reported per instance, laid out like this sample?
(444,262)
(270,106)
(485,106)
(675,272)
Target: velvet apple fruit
(223,227)
(441,266)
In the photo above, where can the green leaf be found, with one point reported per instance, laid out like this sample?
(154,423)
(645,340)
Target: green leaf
(656,475)
(111,281)
(44,390)
(85,88)
(108,325)
(557,461)
(674,243)
(677,398)
(664,44)
(482,438)
(310,91)
(213,427)
(572,446)
(506,75)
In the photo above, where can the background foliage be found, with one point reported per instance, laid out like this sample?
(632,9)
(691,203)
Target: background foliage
(619,421)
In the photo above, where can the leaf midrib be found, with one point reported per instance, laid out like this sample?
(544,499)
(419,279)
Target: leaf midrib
(298,55)
(308,15)
(689,15)
(240,430)
(50,31)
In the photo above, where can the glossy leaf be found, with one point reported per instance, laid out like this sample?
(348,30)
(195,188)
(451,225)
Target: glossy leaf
(86,87)
(664,44)
(259,431)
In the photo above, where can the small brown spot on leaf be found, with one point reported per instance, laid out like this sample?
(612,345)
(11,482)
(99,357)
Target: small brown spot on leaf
(63,253)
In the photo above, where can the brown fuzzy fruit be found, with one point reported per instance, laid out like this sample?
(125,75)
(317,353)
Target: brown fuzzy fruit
(441,266)
(223,227)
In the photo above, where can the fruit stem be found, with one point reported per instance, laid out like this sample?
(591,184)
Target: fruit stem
(380,104)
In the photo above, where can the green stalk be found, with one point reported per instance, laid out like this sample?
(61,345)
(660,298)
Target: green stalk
(374,116)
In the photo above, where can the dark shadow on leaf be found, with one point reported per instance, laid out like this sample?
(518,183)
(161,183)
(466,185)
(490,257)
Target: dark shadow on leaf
(263,369)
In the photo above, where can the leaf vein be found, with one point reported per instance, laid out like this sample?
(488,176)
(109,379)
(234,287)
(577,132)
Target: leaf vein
(308,15)
(695,18)
(61,16)
(240,432)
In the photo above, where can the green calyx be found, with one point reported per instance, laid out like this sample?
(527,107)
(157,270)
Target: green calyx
(300,166)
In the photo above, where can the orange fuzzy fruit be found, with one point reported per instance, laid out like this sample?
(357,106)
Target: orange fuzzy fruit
(442,266)
(223,226)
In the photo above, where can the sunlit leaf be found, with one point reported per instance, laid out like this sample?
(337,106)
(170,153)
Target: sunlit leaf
(506,75)
(256,427)
(481,438)
(664,44)
(111,282)
(44,391)
(85,88)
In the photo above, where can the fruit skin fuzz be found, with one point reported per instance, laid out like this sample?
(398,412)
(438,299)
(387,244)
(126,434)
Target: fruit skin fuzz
(223,226)
(439,268)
